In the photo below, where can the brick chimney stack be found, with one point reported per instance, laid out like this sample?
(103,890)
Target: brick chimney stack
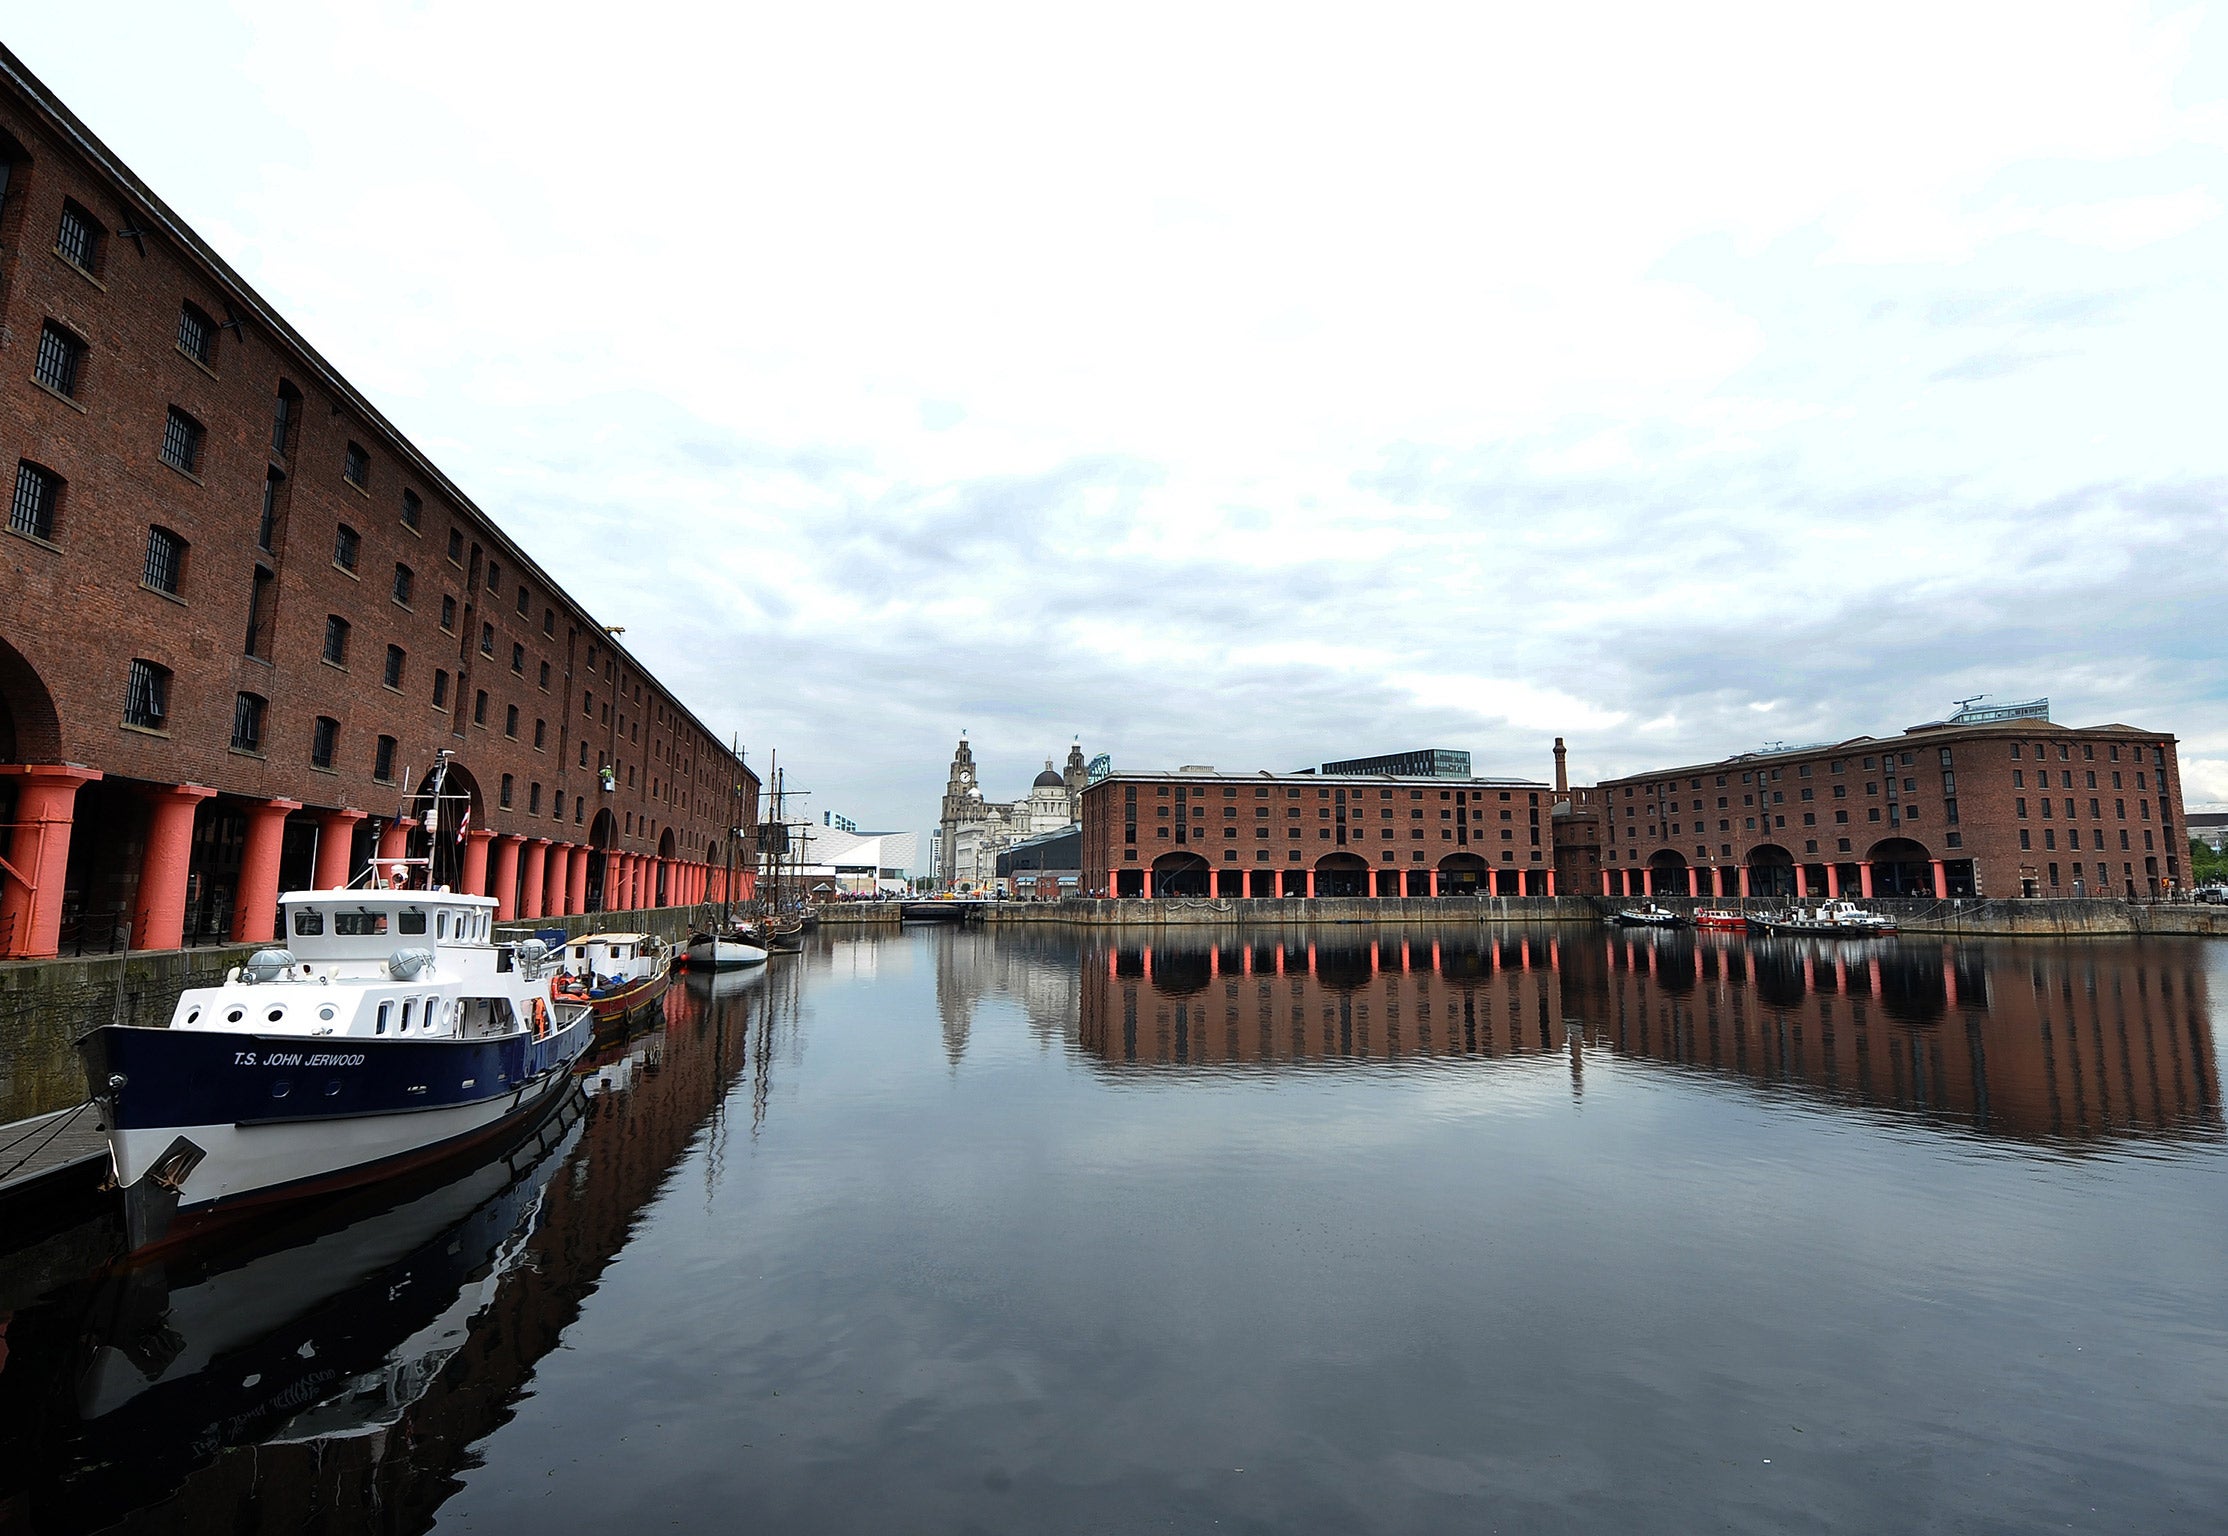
(1562,771)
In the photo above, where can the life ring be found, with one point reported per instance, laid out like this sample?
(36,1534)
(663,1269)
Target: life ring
(541,1018)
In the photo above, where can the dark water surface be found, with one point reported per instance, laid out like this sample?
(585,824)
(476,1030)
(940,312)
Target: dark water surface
(1527,1231)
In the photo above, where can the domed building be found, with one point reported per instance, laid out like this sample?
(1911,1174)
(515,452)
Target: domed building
(971,831)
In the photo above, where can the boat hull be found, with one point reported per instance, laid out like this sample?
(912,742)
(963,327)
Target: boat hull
(632,1002)
(208,1123)
(715,954)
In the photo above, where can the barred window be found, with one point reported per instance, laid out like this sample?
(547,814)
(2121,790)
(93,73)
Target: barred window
(324,742)
(494,576)
(60,356)
(37,491)
(355,466)
(345,545)
(441,689)
(544,675)
(383,760)
(166,560)
(405,583)
(197,337)
(549,621)
(456,546)
(336,640)
(448,612)
(283,417)
(518,658)
(487,639)
(479,707)
(247,722)
(412,509)
(78,241)
(181,441)
(147,695)
(510,721)
(393,675)
(267,529)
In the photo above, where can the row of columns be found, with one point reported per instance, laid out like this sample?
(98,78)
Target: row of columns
(1376,890)
(528,876)
(1632,880)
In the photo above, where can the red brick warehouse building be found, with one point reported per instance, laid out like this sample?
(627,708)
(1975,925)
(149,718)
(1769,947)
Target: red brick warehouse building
(1196,832)
(1991,802)
(240,614)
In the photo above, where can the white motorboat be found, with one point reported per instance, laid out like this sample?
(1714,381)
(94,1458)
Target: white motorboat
(1827,919)
(392,1029)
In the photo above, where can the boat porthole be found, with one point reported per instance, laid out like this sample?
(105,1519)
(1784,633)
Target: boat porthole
(332,1088)
(234,1017)
(325,1012)
(280,1088)
(193,1015)
(274,1015)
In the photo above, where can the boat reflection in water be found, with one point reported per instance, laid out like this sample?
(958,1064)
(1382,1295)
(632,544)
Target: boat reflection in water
(2034,1040)
(336,1371)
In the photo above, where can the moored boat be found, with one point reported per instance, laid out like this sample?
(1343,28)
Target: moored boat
(1718,917)
(392,1029)
(619,977)
(723,952)
(1649,916)
(1835,919)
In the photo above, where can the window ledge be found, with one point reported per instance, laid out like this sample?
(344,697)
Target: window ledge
(407,527)
(180,348)
(332,772)
(345,571)
(174,469)
(399,603)
(253,752)
(146,730)
(32,538)
(51,391)
(168,597)
(361,490)
(261,661)
(392,688)
(337,666)
(80,271)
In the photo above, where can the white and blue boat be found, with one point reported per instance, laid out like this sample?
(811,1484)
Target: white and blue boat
(390,1031)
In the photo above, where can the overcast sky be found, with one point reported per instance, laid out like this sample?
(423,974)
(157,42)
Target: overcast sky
(1258,386)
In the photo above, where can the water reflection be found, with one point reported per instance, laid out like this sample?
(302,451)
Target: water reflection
(333,1373)
(2038,1041)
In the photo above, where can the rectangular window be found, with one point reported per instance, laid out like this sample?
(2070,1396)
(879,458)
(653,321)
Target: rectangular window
(262,609)
(181,441)
(60,355)
(544,680)
(549,621)
(166,561)
(487,639)
(383,760)
(247,723)
(523,603)
(324,742)
(494,576)
(36,493)
(456,546)
(267,528)
(197,334)
(534,799)
(393,675)
(78,241)
(479,707)
(355,467)
(282,418)
(336,640)
(147,696)
(441,688)
(510,721)
(541,733)
(518,658)
(505,798)
(346,544)
(448,613)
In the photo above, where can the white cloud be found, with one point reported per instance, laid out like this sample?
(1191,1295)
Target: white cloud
(1261,385)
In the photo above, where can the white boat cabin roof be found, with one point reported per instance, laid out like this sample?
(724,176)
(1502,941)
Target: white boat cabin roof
(606,938)
(323,922)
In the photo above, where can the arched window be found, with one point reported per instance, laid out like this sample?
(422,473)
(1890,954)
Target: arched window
(147,695)
(336,640)
(38,497)
(166,561)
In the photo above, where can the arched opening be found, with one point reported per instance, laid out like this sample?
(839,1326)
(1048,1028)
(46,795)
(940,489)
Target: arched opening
(1180,874)
(665,865)
(1666,873)
(1341,874)
(601,832)
(1462,874)
(444,843)
(1900,867)
(1771,871)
